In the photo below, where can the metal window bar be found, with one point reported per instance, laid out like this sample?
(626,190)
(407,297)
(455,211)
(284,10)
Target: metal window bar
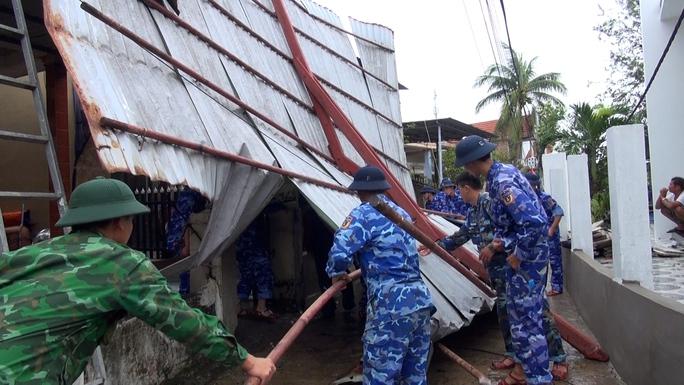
(149,230)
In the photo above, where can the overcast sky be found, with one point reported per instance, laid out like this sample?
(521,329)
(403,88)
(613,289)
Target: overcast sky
(442,46)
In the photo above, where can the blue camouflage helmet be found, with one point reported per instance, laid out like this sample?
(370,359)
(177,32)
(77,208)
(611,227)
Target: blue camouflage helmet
(428,189)
(369,178)
(472,148)
(446,182)
(534,179)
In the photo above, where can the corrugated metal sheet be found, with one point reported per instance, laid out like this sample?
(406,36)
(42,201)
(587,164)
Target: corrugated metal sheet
(119,80)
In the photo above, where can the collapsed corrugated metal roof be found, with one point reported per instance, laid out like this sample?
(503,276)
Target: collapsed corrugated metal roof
(221,76)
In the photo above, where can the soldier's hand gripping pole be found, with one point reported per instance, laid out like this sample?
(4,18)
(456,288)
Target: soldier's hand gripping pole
(277,353)
(410,228)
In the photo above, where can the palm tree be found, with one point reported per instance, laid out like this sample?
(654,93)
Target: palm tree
(587,134)
(515,85)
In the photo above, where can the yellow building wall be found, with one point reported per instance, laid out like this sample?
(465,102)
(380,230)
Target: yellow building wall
(23,166)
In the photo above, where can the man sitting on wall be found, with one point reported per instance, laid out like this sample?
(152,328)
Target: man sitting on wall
(671,204)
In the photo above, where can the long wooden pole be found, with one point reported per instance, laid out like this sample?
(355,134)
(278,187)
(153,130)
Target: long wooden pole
(410,228)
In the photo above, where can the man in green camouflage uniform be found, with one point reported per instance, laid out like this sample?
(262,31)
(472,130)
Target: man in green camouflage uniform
(59,297)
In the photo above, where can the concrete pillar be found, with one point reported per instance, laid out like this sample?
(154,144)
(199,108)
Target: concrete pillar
(556,184)
(632,260)
(580,204)
(427,165)
(665,133)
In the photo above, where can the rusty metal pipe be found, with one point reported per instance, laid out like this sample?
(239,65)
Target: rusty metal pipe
(473,371)
(172,140)
(581,341)
(410,228)
(440,213)
(325,47)
(288,339)
(194,74)
(333,26)
(169,139)
(206,39)
(211,43)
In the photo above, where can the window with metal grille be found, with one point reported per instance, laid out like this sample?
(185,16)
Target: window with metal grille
(149,230)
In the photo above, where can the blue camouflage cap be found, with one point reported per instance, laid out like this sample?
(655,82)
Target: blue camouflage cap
(446,182)
(369,178)
(428,189)
(472,148)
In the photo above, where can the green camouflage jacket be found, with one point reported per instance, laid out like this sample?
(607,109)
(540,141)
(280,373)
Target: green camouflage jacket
(58,298)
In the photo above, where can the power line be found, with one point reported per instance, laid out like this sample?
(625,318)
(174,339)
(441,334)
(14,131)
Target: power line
(510,45)
(515,64)
(495,31)
(472,33)
(489,36)
(660,62)
(498,45)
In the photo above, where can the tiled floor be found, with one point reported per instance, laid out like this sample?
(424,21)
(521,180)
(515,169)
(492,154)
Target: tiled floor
(668,276)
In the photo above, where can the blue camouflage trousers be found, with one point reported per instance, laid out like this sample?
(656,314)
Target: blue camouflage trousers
(556,261)
(497,276)
(396,352)
(525,303)
(255,276)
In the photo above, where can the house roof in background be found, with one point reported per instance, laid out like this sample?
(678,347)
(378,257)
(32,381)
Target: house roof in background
(490,127)
(452,129)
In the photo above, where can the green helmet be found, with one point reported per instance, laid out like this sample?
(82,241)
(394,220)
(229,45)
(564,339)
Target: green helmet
(101,199)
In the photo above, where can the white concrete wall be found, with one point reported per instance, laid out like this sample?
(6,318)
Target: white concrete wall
(663,104)
(632,260)
(580,203)
(556,184)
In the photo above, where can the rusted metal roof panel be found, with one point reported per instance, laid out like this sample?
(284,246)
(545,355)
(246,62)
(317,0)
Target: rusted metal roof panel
(118,79)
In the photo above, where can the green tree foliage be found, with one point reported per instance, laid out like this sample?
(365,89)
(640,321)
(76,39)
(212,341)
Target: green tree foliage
(622,30)
(586,133)
(449,163)
(516,85)
(547,131)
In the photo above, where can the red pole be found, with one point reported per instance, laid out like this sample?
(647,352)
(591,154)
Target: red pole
(288,339)
(581,341)
(397,219)
(194,74)
(335,113)
(169,139)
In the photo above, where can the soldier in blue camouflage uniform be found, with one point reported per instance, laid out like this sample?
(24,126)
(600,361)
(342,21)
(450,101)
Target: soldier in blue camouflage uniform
(397,334)
(555,212)
(449,200)
(189,201)
(478,227)
(428,194)
(256,275)
(521,226)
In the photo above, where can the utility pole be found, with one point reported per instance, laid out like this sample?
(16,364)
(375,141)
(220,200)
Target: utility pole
(440,168)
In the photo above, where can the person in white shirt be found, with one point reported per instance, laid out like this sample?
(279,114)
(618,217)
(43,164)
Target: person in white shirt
(671,203)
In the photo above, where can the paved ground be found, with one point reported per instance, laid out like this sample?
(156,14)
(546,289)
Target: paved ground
(668,276)
(329,348)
